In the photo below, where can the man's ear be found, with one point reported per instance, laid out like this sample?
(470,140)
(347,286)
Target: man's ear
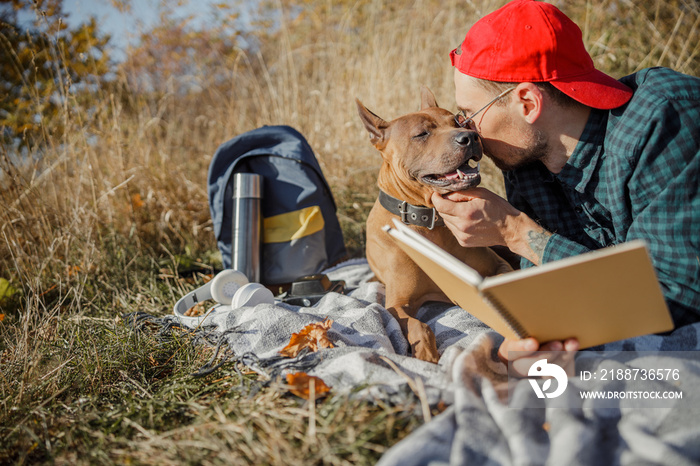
(530,99)
(427,99)
(373,123)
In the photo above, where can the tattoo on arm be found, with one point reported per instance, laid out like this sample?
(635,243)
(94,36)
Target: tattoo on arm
(537,240)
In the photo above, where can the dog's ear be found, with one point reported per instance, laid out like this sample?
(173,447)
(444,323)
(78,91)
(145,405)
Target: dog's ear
(427,99)
(374,124)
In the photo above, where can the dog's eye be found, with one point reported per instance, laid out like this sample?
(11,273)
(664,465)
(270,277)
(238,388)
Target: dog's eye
(422,135)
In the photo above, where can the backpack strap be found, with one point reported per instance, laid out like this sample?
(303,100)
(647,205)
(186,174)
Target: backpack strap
(410,214)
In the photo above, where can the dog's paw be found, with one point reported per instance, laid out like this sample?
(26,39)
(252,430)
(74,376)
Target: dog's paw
(425,353)
(422,341)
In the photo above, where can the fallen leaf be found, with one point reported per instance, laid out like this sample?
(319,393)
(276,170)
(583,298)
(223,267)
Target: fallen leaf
(2,317)
(313,336)
(196,310)
(300,385)
(6,290)
(136,201)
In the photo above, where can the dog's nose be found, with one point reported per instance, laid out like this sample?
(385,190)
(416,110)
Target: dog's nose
(467,138)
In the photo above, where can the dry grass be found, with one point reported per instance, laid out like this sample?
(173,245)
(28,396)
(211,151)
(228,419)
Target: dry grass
(103,221)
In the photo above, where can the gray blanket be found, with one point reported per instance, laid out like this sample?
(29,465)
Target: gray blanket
(370,360)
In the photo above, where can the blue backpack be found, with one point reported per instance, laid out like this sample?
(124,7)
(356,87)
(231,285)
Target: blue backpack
(301,234)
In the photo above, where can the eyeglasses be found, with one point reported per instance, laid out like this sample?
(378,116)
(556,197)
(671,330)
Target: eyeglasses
(465,121)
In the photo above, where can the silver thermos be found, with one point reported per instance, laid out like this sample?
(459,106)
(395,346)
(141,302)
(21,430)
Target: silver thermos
(247,225)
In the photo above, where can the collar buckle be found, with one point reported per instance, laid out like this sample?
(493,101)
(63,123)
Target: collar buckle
(410,214)
(403,212)
(411,218)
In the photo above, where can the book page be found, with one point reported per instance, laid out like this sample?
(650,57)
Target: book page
(420,243)
(457,280)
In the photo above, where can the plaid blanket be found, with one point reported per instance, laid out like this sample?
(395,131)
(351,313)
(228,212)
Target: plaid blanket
(370,359)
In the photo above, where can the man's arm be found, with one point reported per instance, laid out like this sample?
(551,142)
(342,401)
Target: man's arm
(537,240)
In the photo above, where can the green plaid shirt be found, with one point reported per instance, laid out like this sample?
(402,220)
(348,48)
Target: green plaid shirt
(634,174)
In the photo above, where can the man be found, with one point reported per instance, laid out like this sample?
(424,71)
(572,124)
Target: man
(588,161)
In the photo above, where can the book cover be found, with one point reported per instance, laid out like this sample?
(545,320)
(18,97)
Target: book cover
(598,297)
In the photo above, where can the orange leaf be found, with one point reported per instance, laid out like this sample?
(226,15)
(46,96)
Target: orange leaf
(300,385)
(196,310)
(2,317)
(313,336)
(136,201)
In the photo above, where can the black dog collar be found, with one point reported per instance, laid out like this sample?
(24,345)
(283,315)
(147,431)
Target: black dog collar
(410,214)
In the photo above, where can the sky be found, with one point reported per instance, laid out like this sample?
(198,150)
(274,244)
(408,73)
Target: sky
(111,21)
(124,28)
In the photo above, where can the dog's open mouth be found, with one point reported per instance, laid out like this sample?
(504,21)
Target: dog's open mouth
(463,177)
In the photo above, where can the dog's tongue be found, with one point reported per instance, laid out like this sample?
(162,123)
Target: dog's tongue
(451,176)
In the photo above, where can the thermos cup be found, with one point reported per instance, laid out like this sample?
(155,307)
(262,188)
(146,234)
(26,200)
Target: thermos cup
(247,225)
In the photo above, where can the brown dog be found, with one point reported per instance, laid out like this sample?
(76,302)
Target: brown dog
(422,152)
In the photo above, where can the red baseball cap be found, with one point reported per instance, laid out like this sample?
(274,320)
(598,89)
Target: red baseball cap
(532,41)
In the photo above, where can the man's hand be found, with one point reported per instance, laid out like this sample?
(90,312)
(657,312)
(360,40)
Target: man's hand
(528,346)
(478,217)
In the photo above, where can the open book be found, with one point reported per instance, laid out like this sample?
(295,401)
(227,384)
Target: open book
(598,297)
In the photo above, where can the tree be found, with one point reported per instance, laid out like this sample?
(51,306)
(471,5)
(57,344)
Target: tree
(179,56)
(43,67)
